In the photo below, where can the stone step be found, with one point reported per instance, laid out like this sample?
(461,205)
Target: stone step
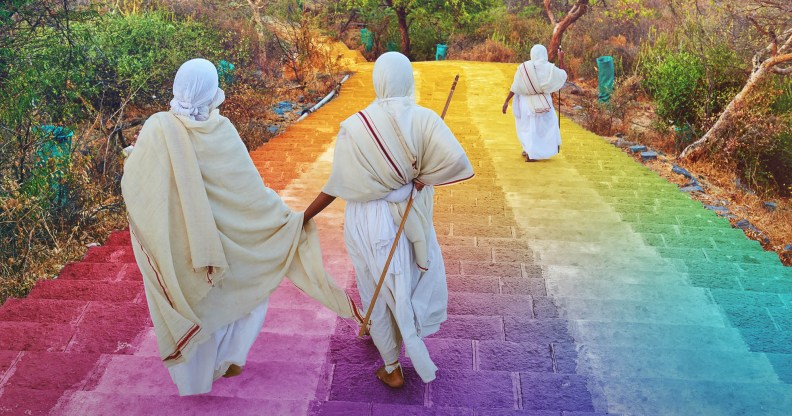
(676,363)
(603,289)
(657,335)
(110,254)
(115,403)
(611,273)
(658,396)
(43,310)
(87,290)
(638,311)
(119,238)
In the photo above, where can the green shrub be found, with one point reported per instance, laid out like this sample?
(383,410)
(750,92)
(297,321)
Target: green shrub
(674,83)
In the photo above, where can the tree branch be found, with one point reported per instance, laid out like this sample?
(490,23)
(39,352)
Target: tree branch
(549,12)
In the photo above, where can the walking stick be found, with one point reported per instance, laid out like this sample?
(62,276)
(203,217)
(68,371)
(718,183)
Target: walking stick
(451,94)
(364,327)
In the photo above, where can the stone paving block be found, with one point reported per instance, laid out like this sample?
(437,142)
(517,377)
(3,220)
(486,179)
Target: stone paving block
(783,366)
(450,241)
(475,284)
(485,304)
(467,253)
(514,356)
(92,271)
(523,286)
(771,285)
(7,358)
(42,310)
(716,281)
(547,391)
(357,383)
(87,290)
(338,408)
(759,340)
(64,370)
(281,380)
(118,313)
(29,402)
(34,336)
(299,347)
(110,254)
(782,317)
(746,316)
(512,412)
(737,297)
(540,331)
(473,230)
(773,270)
(545,307)
(471,327)
(405,410)
(474,389)
(105,337)
(491,269)
(510,255)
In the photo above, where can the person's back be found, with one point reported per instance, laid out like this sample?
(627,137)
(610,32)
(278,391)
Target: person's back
(535,118)
(212,242)
(387,157)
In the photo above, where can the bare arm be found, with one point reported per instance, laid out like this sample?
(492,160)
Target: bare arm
(506,103)
(320,203)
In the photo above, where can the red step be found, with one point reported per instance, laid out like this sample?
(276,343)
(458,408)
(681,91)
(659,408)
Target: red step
(54,311)
(87,290)
(110,254)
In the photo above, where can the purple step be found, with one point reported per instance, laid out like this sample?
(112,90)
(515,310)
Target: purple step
(403,410)
(473,389)
(54,311)
(110,254)
(487,304)
(87,290)
(514,356)
(34,336)
(357,383)
(545,391)
(340,409)
(541,331)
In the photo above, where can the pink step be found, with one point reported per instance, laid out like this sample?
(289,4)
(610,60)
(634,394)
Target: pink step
(93,271)
(25,401)
(119,238)
(34,336)
(110,254)
(87,290)
(53,370)
(42,310)
(119,403)
(6,359)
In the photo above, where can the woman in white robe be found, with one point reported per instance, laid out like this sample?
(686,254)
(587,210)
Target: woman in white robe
(386,154)
(211,241)
(534,114)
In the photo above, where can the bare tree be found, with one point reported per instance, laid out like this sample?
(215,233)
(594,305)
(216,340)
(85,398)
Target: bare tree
(559,27)
(773,20)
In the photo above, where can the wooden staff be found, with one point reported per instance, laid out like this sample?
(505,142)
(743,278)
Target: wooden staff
(451,94)
(364,327)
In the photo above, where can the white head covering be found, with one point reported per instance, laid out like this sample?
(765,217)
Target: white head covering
(195,90)
(550,77)
(394,85)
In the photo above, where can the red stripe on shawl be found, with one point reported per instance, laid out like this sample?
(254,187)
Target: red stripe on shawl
(183,341)
(156,273)
(380,144)
(527,75)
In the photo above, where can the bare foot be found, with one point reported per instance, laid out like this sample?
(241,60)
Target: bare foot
(233,371)
(393,380)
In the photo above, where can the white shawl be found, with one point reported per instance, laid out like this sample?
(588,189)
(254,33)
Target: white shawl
(195,200)
(537,79)
(394,142)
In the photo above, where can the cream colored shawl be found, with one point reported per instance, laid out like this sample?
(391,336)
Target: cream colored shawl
(195,200)
(537,79)
(374,160)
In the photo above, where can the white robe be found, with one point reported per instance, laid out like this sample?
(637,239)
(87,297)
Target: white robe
(196,200)
(539,134)
(535,118)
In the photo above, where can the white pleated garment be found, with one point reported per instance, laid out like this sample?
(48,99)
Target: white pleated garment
(227,345)
(538,133)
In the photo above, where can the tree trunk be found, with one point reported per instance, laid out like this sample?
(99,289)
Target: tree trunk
(401,16)
(579,9)
(726,118)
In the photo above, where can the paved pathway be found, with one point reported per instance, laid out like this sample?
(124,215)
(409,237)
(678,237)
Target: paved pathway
(582,285)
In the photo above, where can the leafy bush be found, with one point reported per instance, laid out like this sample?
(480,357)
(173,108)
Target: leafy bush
(673,81)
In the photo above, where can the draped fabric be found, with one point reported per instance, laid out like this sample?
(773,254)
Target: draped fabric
(537,79)
(196,200)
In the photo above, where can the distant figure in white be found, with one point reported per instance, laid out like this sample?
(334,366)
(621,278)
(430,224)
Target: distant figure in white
(211,241)
(386,154)
(534,114)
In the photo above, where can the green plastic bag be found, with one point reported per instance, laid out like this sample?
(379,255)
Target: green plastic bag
(367,39)
(605,77)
